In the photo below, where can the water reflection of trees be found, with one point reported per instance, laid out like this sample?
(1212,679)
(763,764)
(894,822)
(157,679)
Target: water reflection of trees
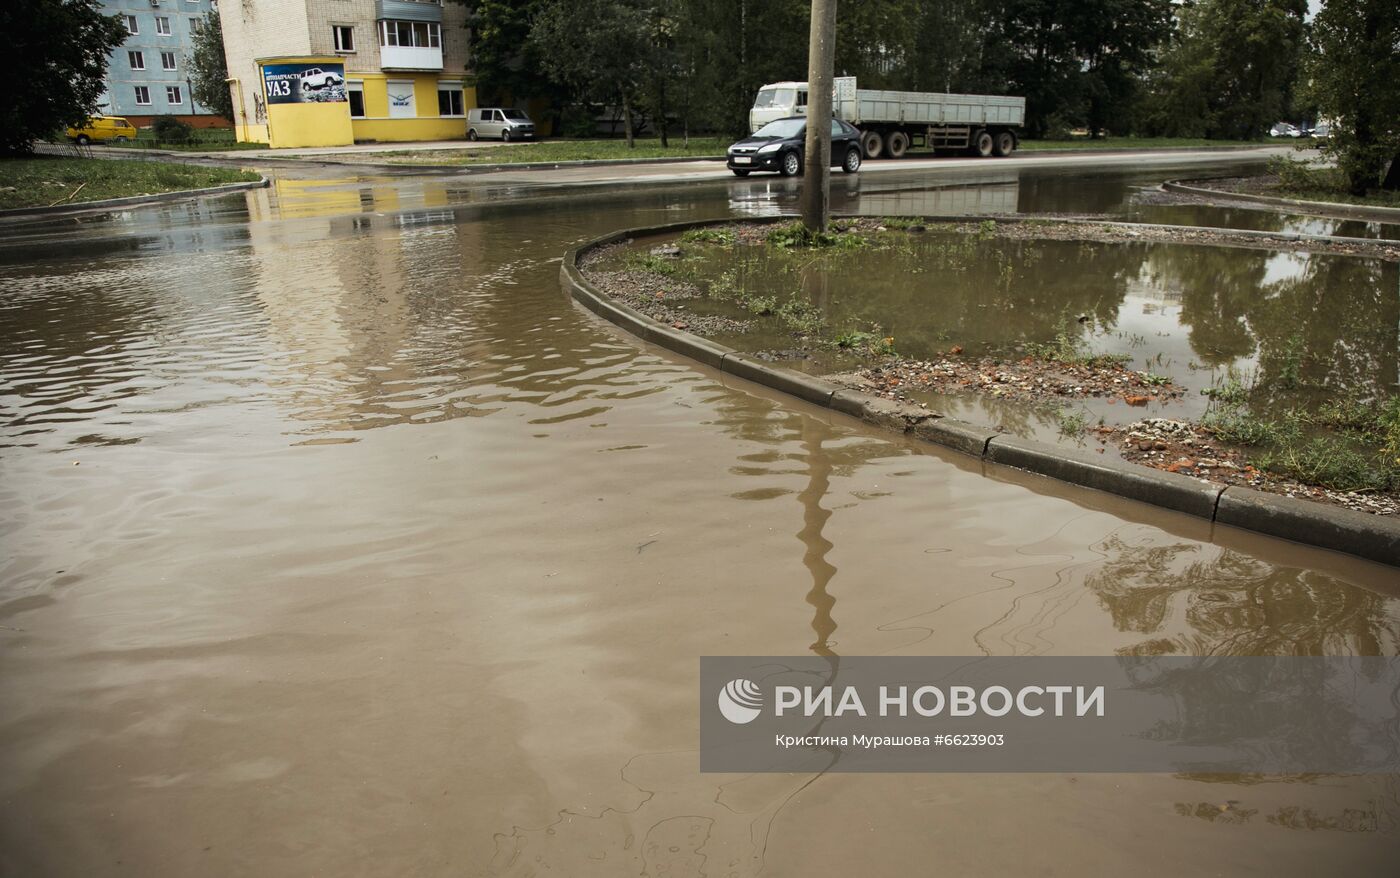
(1335,318)
(1210,601)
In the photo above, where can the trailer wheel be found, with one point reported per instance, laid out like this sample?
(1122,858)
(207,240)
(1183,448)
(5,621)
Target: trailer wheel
(898,144)
(982,144)
(872,144)
(1005,143)
(791,164)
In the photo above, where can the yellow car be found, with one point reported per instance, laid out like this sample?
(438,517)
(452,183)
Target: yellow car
(103,129)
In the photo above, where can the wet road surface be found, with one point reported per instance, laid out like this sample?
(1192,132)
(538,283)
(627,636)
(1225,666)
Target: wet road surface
(337,541)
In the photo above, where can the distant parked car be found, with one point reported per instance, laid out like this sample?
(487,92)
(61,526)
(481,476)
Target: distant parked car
(315,79)
(1284,129)
(778,146)
(103,129)
(1322,131)
(499,122)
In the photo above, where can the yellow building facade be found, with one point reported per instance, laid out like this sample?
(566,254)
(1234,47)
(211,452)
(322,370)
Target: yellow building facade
(306,73)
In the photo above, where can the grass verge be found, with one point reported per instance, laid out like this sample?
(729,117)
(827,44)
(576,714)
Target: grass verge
(49,181)
(1131,143)
(1309,183)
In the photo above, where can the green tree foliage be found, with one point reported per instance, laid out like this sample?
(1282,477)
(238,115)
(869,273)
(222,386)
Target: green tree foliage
(503,57)
(1354,70)
(599,48)
(59,49)
(208,69)
(1230,70)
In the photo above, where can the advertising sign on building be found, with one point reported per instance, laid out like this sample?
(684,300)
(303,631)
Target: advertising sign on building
(304,83)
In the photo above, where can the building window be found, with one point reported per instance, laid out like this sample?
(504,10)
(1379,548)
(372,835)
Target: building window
(172,95)
(450,100)
(163,25)
(131,26)
(195,25)
(344,37)
(143,95)
(137,60)
(410,34)
(355,91)
(167,60)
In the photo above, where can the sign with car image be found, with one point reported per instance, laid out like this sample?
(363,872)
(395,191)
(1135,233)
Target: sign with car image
(304,83)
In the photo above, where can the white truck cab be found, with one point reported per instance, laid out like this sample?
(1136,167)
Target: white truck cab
(778,100)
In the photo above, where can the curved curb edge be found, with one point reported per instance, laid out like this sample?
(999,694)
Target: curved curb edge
(1340,210)
(134,201)
(1372,537)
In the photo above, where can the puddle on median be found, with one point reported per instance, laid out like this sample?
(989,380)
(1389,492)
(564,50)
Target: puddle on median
(1199,315)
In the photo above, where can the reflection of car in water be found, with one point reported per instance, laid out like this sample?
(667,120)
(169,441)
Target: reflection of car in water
(315,79)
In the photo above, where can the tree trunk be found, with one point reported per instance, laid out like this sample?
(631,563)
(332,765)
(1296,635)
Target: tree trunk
(627,120)
(661,110)
(1391,183)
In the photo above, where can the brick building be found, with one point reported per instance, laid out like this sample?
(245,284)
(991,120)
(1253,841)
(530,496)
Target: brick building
(324,72)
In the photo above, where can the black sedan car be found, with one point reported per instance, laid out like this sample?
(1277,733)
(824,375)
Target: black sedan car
(778,146)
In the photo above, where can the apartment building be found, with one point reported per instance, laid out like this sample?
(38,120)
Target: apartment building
(148,75)
(331,72)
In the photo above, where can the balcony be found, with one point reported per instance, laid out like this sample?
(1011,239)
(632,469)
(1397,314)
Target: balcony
(409,10)
(410,57)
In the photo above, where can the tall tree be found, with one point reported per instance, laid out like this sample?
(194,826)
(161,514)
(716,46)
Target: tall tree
(502,57)
(60,49)
(1354,69)
(209,69)
(1230,72)
(599,48)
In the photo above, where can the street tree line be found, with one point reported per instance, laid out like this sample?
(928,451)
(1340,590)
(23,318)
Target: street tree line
(1216,69)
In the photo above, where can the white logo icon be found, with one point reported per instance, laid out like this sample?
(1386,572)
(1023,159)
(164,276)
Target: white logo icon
(740,701)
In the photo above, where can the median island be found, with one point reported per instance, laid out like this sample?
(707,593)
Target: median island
(1231,357)
(53,181)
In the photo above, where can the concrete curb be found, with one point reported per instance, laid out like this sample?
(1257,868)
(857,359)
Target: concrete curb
(132,201)
(1342,211)
(1375,538)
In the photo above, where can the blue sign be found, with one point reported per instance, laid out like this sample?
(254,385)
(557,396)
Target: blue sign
(304,83)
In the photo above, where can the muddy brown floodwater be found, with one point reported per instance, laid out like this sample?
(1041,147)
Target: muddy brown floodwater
(336,541)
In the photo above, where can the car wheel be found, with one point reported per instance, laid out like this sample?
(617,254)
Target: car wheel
(120,138)
(790,164)
(505,136)
(898,143)
(471,134)
(1005,143)
(873,144)
(740,172)
(84,140)
(852,162)
(982,144)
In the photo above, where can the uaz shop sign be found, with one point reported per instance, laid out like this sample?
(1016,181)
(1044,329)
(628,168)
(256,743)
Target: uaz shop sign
(304,83)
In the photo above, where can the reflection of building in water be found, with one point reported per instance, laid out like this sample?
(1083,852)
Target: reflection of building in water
(1155,290)
(351,307)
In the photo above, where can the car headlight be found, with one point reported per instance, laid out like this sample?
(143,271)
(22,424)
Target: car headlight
(772,147)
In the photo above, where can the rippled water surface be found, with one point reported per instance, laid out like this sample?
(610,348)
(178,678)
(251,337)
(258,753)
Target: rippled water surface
(337,541)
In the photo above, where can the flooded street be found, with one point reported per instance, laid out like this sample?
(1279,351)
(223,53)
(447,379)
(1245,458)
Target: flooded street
(337,541)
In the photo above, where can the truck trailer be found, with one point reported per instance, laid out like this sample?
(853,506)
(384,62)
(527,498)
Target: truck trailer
(891,122)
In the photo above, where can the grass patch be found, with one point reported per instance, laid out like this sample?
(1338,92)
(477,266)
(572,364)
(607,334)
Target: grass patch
(1307,183)
(1130,143)
(1344,445)
(557,151)
(723,237)
(1070,350)
(200,140)
(793,236)
(44,181)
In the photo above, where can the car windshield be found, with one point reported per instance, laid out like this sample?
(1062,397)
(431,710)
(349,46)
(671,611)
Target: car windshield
(517,116)
(773,97)
(782,128)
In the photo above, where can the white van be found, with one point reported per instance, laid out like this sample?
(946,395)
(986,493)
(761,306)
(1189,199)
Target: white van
(497,122)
